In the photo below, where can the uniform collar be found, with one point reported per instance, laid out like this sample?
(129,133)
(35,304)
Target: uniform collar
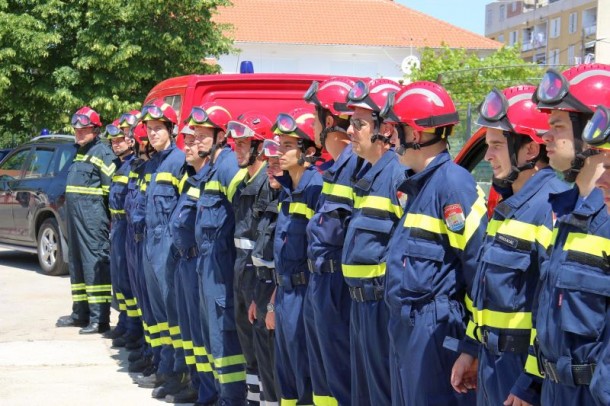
(251,186)
(366,181)
(85,148)
(533,185)
(344,157)
(564,207)
(161,155)
(414,182)
(286,181)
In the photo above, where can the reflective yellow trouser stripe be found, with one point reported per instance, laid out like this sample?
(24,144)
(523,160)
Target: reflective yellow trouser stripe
(324,400)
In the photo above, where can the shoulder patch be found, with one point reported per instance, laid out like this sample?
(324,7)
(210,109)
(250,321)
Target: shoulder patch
(454,217)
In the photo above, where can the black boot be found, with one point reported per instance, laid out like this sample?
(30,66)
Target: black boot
(186,395)
(140,365)
(151,381)
(173,384)
(68,321)
(94,328)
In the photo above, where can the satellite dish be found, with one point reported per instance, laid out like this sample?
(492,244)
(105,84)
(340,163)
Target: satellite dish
(409,63)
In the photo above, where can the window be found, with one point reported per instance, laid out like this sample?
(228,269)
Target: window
(502,12)
(489,17)
(573,23)
(176,102)
(512,38)
(571,55)
(554,57)
(40,164)
(13,166)
(501,38)
(555,27)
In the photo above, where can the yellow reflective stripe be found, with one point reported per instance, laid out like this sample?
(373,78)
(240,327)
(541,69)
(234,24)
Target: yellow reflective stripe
(79,298)
(203,367)
(215,186)
(190,360)
(334,189)
(324,400)
(154,329)
(176,343)
(174,330)
(99,299)
(193,192)
(230,360)
(120,296)
(425,222)
(521,230)
(132,313)
(492,318)
(107,170)
(130,302)
(182,182)
(85,190)
(288,402)
(117,211)
(588,244)
(143,187)
(300,208)
(155,342)
(99,288)
(363,271)
(554,236)
(77,286)
(122,307)
(377,203)
(133,175)
(167,177)
(232,377)
(201,351)
(163,326)
(187,344)
(531,363)
(120,179)
(470,330)
(167,340)
(239,176)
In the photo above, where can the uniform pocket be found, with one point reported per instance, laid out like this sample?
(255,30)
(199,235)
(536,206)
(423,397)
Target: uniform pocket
(368,238)
(503,277)
(583,299)
(422,261)
(295,240)
(225,314)
(211,215)
(164,199)
(327,226)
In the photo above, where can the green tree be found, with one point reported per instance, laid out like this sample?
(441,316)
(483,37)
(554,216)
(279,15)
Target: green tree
(469,78)
(56,56)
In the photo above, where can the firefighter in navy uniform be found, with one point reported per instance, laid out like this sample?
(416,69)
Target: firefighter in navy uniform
(597,135)
(214,230)
(516,243)
(301,187)
(249,202)
(262,310)
(88,223)
(574,289)
(166,167)
(374,217)
(129,327)
(328,303)
(182,227)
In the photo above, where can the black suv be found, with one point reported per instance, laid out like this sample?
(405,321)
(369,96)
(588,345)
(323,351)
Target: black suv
(32,194)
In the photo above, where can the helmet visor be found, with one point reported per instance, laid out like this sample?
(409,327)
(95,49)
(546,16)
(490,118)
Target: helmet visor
(235,129)
(359,92)
(553,87)
(310,95)
(113,131)
(81,121)
(285,124)
(127,120)
(597,131)
(200,117)
(271,149)
(387,112)
(494,112)
(151,112)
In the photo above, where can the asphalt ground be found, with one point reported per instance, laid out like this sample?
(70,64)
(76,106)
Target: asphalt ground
(41,364)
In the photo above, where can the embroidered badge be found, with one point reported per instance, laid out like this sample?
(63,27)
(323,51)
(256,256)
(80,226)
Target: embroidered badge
(402,198)
(454,217)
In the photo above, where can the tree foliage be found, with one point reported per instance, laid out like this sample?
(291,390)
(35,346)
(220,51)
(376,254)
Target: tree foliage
(56,56)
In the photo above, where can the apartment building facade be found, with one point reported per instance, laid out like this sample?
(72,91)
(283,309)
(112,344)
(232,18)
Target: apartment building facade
(552,32)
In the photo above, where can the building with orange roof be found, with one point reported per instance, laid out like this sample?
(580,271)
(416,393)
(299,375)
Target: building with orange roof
(374,38)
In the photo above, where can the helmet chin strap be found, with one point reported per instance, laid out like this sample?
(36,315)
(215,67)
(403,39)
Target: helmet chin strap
(404,145)
(253,154)
(514,142)
(579,120)
(377,136)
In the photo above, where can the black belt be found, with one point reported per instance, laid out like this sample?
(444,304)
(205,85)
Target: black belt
(328,266)
(139,237)
(581,373)
(264,274)
(505,342)
(189,252)
(118,216)
(292,280)
(366,294)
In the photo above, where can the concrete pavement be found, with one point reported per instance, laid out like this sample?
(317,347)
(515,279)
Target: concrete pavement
(41,364)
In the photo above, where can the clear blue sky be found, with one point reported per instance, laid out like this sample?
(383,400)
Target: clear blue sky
(467,14)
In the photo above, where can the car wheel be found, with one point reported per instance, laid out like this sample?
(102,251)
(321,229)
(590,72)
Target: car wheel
(50,255)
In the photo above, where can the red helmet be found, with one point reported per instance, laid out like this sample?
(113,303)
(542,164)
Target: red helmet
(129,119)
(159,110)
(113,130)
(578,89)
(298,123)
(85,117)
(252,124)
(513,110)
(140,134)
(371,95)
(422,105)
(331,95)
(209,115)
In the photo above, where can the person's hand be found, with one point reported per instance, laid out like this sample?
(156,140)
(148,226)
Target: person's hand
(252,312)
(512,400)
(270,320)
(464,373)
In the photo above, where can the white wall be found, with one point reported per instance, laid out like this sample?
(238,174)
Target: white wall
(323,59)
(602,47)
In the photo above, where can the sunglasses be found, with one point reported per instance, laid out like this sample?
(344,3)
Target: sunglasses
(357,123)
(597,130)
(235,129)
